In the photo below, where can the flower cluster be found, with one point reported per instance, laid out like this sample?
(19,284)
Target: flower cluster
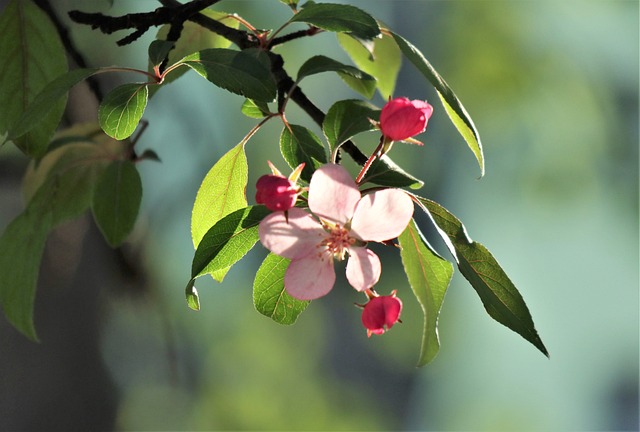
(338,225)
(340,222)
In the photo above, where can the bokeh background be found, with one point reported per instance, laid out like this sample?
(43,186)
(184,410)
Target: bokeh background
(553,90)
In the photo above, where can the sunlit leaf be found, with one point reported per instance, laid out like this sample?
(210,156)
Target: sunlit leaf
(222,191)
(300,145)
(116,201)
(32,55)
(191,293)
(121,110)
(499,295)
(450,101)
(228,241)
(429,276)
(269,296)
(246,72)
(338,18)
(253,109)
(383,64)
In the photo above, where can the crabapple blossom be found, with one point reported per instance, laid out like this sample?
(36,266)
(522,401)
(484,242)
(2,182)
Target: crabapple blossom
(381,313)
(340,224)
(402,118)
(277,192)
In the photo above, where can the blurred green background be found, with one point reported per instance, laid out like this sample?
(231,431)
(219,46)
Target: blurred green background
(553,90)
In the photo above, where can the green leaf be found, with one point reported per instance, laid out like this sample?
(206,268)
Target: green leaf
(121,110)
(80,145)
(116,201)
(21,248)
(499,295)
(194,37)
(149,154)
(358,80)
(222,191)
(64,193)
(228,241)
(244,72)
(191,293)
(64,187)
(253,109)
(158,51)
(452,105)
(269,295)
(383,64)
(429,276)
(47,99)
(300,145)
(385,172)
(345,119)
(338,18)
(32,55)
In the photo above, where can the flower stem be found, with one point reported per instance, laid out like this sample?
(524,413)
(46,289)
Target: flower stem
(374,155)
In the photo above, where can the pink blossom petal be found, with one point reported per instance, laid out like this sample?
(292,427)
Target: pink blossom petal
(382,215)
(333,194)
(291,239)
(310,277)
(363,268)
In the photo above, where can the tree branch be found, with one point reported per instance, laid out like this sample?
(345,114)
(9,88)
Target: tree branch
(285,82)
(171,13)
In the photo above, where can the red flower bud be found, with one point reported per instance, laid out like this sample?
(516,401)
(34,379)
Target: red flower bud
(402,118)
(277,193)
(381,313)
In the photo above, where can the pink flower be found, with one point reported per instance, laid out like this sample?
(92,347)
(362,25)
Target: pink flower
(381,313)
(402,118)
(347,221)
(277,192)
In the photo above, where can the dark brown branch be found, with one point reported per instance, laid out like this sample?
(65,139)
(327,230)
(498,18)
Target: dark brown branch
(295,35)
(142,22)
(286,83)
(239,37)
(173,12)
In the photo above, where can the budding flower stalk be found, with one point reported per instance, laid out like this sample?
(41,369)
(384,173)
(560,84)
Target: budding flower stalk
(402,118)
(277,192)
(381,313)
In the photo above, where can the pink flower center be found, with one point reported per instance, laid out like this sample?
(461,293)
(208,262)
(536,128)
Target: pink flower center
(336,241)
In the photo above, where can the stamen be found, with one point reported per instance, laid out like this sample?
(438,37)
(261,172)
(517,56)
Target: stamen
(337,241)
